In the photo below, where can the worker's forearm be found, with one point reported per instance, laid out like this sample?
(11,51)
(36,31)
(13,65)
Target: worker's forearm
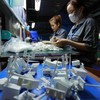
(77,45)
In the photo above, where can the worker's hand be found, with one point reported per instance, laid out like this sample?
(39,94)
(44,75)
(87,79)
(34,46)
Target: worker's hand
(60,42)
(54,39)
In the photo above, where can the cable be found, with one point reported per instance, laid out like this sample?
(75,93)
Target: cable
(92,85)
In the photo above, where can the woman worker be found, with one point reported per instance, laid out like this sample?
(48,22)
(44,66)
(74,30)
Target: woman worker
(55,23)
(83,36)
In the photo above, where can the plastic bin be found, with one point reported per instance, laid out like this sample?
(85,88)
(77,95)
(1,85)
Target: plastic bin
(34,36)
(6,35)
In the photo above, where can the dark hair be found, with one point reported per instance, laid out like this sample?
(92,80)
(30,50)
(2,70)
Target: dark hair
(57,19)
(79,3)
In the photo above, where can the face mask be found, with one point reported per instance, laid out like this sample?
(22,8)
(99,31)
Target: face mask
(73,18)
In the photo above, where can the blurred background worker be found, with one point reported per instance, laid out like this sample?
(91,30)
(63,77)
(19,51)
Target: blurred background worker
(56,25)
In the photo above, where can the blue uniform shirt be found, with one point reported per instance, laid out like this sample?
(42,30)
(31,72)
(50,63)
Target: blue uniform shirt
(61,33)
(85,32)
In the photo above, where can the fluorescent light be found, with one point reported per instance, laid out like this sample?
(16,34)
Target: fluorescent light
(24,6)
(37,5)
(33,25)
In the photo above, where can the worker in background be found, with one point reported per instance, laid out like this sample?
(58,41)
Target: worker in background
(83,36)
(56,23)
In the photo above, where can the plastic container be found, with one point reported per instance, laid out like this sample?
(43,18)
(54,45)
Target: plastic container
(6,35)
(34,36)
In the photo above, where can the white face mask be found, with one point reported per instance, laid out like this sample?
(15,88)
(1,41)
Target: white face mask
(73,18)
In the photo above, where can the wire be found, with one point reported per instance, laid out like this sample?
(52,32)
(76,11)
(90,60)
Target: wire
(92,85)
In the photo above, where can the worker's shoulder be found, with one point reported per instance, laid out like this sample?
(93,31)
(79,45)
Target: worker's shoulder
(90,20)
(62,30)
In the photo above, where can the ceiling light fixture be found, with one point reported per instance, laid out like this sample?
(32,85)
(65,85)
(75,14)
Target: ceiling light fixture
(33,25)
(37,5)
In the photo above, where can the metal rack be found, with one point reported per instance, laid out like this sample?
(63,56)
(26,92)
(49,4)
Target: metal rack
(11,18)
(8,11)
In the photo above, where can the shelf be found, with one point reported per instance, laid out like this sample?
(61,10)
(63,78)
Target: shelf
(8,11)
